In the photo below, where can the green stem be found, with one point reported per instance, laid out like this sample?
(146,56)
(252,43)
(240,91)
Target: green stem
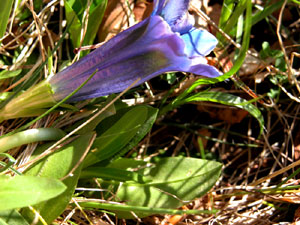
(30,136)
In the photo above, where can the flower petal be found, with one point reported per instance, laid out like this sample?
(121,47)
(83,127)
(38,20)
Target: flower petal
(175,13)
(199,42)
(141,52)
(104,53)
(157,7)
(156,51)
(204,70)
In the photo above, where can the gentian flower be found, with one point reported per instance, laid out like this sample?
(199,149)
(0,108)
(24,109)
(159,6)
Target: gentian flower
(166,41)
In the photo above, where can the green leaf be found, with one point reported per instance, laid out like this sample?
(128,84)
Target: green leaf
(233,18)
(76,24)
(115,132)
(142,131)
(93,124)
(266,11)
(30,136)
(74,11)
(58,165)
(244,48)
(174,181)
(227,9)
(127,163)
(107,173)
(12,217)
(143,210)
(226,99)
(8,74)
(21,191)
(96,14)
(5,95)
(5,10)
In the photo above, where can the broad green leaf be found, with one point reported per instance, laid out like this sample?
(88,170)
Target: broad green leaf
(8,74)
(93,124)
(5,10)
(74,11)
(12,217)
(58,165)
(117,130)
(173,182)
(127,163)
(112,174)
(22,191)
(143,130)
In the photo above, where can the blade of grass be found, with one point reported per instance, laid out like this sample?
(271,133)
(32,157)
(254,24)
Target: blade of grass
(141,209)
(4,15)
(234,17)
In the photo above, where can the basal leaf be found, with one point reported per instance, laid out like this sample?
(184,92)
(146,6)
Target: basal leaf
(116,174)
(173,182)
(58,165)
(12,217)
(143,130)
(93,124)
(21,191)
(118,130)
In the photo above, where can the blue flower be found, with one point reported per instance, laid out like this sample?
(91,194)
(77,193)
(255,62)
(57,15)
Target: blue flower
(164,42)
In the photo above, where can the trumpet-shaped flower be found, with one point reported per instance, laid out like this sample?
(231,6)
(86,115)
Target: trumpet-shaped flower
(165,41)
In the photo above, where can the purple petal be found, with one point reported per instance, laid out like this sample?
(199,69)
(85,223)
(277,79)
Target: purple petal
(204,70)
(104,53)
(175,13)
(143,51)
(157,7)
(155,51)
(199,42)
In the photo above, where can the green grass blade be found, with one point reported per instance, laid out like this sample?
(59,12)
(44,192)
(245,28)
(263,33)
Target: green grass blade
(227,99)
(142,209)
(5,10)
